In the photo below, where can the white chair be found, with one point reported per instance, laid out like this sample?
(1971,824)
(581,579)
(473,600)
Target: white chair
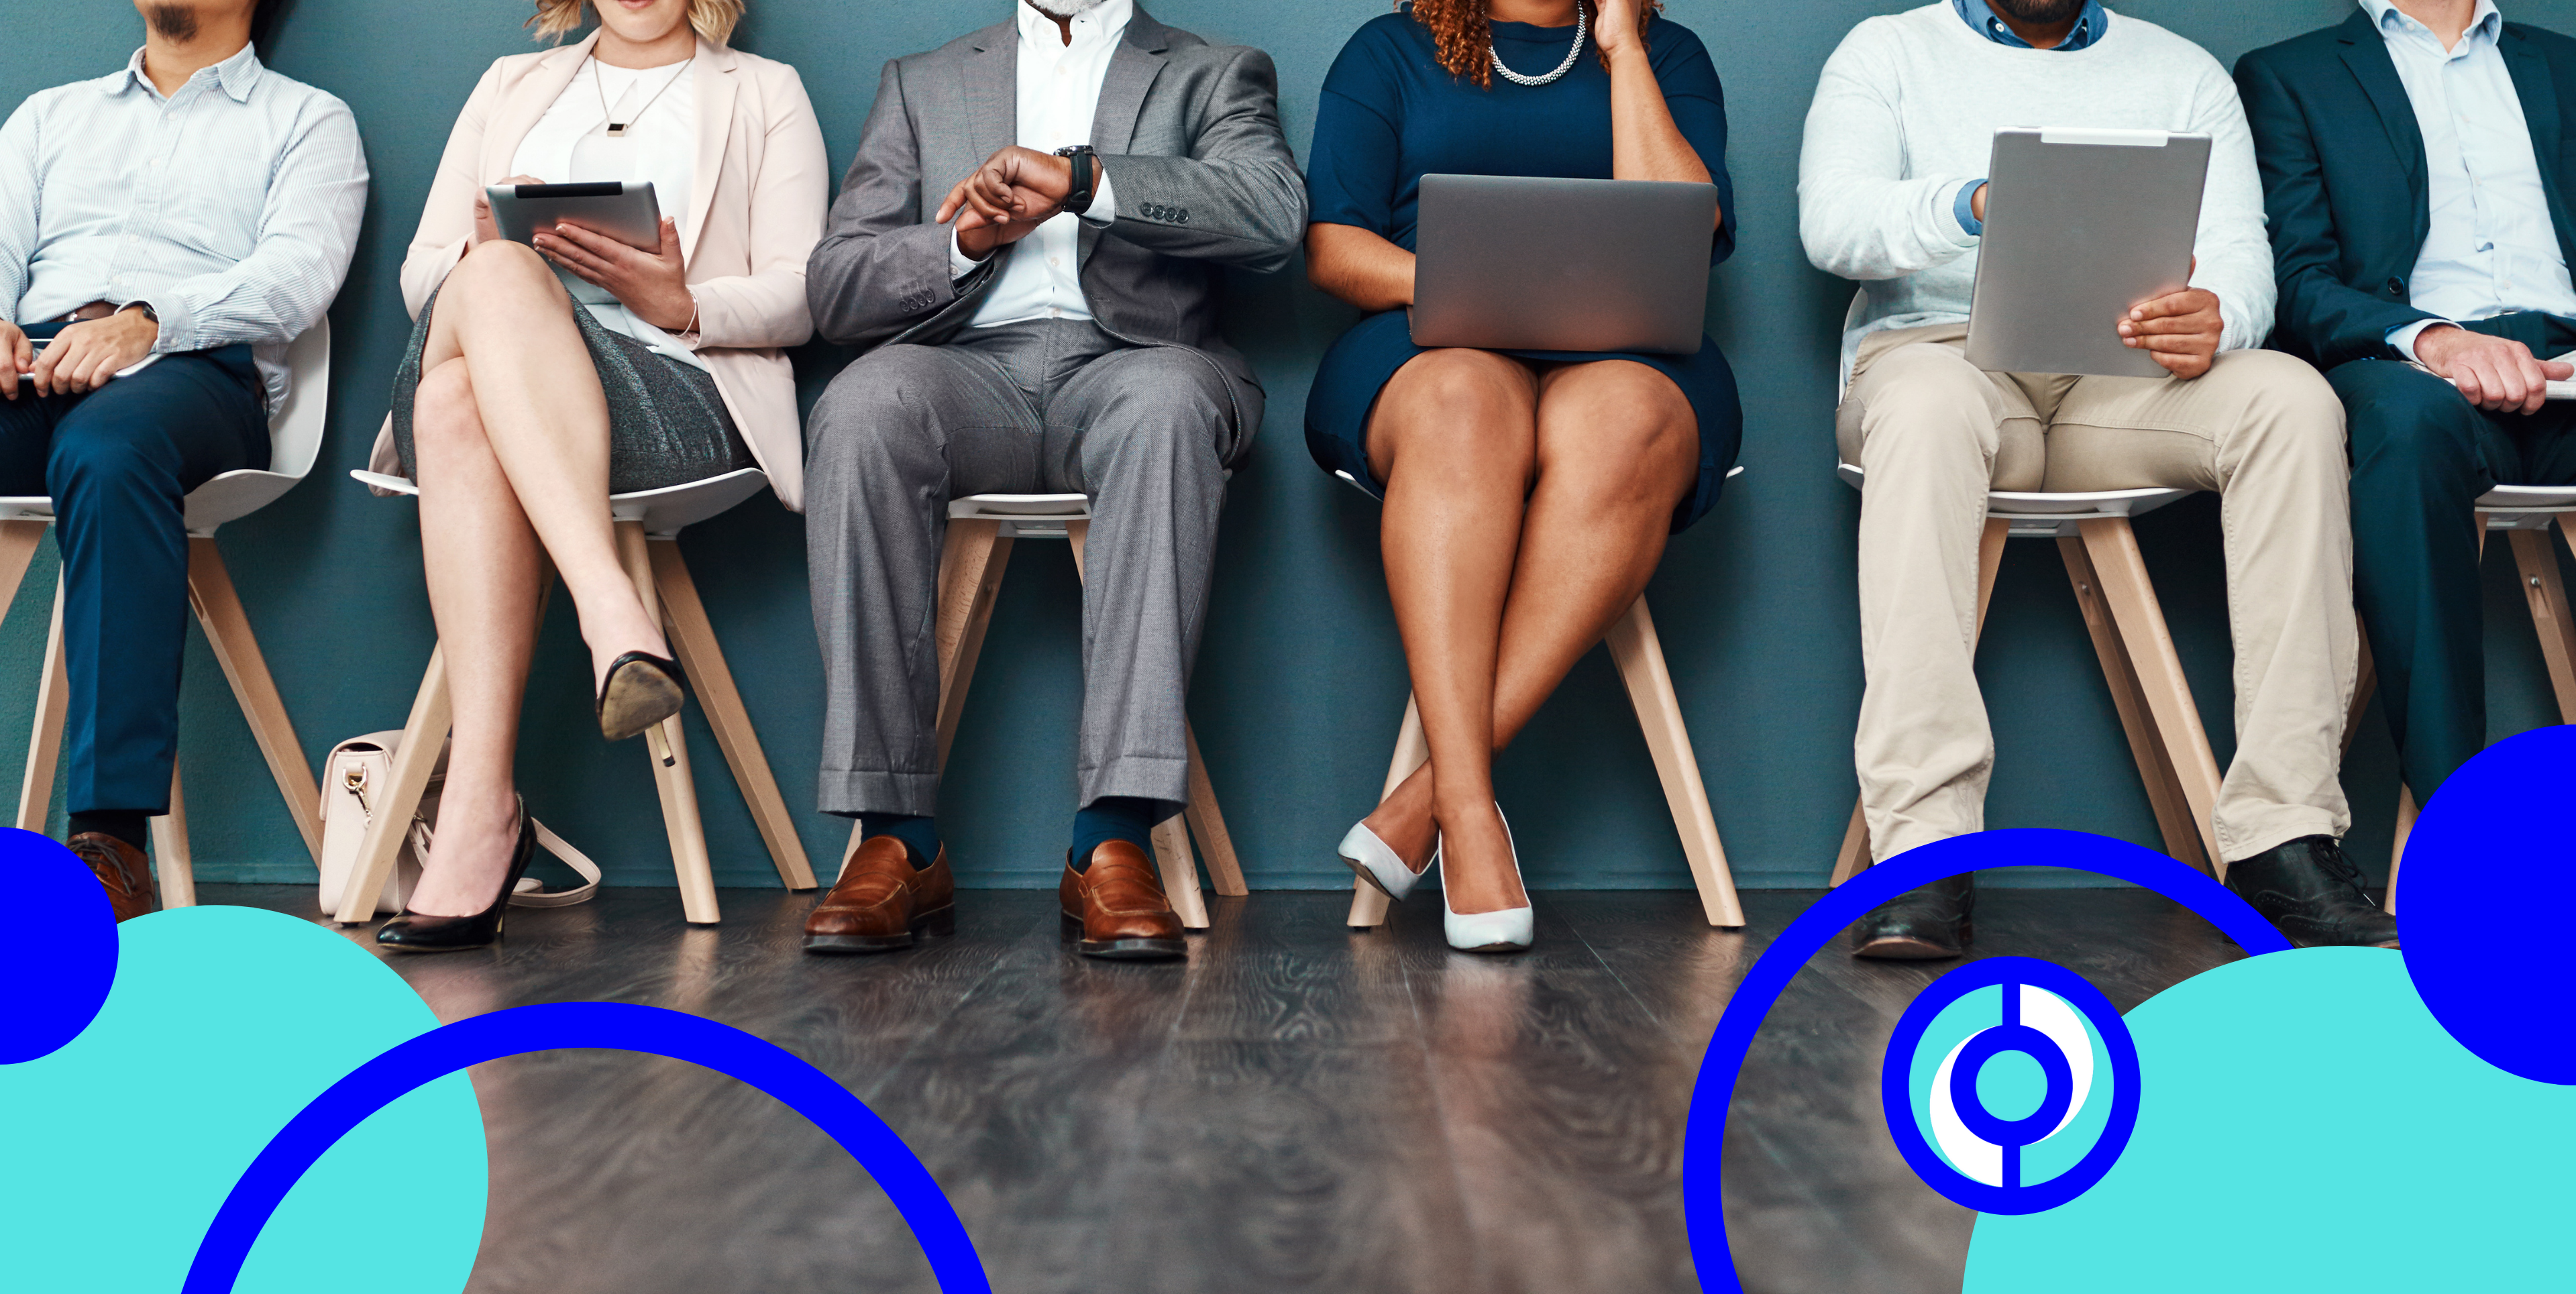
(295,440)
(981,528)
(2139,663)
(1639,656)
(648,525)
(2525,514)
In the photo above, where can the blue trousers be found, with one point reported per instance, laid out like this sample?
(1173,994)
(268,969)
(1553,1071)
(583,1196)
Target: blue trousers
(2421,456)
(117,462)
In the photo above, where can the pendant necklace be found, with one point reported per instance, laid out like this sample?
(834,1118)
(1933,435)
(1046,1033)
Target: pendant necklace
(616,128)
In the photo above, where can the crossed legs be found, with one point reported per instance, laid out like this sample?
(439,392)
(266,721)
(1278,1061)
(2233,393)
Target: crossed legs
(510,439)
(1525,510)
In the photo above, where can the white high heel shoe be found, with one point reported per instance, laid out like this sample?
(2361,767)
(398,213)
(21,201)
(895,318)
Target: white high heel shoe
(1508,931)
(1380,865)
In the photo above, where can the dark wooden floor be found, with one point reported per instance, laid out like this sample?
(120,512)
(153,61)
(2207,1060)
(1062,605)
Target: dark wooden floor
(1296,1108)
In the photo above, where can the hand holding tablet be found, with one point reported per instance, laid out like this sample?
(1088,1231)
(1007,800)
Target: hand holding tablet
(2495,373)
(608,242)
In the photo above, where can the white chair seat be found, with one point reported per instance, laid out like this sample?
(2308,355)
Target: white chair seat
(664,512)
(2053,516)
(1024,516)
(2506,507)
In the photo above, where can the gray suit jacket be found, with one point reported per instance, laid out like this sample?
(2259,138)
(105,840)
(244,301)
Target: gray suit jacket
(1188,133)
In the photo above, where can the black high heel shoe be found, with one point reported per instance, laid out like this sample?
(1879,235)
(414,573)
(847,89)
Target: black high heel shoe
(641,690)
(414,932)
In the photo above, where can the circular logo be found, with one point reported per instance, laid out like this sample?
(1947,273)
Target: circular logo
(2011,1085)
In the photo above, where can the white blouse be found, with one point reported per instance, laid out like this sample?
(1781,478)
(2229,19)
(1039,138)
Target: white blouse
(570,145)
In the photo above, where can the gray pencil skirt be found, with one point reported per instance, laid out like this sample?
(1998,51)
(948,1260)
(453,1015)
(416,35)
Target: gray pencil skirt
(666,423)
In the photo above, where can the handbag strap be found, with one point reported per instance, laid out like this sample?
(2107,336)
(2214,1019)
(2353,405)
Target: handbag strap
(531,893)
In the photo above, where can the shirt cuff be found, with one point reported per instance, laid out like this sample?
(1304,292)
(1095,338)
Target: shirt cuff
(2404,338)
(1964,206)
(178,334)
(959,263)
(1104,203)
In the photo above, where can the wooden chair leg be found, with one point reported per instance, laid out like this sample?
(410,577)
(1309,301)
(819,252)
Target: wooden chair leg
(667,745)
(2146,749)
(424,737)
(1368,904)
(170,851)
(1216,844)
(2397,851)
(2122,573)
(2547,596)
(1639,655)
(693,636)
(45,744)
(219,609)
(1855,853)
(1180,871)
(18,541)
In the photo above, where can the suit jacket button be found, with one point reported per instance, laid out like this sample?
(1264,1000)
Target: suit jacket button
(2397,287)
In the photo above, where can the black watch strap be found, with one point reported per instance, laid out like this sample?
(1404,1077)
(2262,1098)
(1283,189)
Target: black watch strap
(1077,199)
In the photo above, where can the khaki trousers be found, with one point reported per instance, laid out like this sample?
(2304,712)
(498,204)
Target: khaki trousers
(1934,433)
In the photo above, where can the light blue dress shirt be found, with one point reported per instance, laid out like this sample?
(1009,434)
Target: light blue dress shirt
(2090,26)
(230,207)
(2492,248)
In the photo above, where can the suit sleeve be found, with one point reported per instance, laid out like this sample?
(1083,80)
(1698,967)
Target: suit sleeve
(2320,316)
(447,220)
(880,268)
(1237,198)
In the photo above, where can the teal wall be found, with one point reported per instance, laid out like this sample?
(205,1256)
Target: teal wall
(1301,682)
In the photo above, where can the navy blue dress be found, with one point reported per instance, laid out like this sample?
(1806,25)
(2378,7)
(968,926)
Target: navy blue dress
(1391,114)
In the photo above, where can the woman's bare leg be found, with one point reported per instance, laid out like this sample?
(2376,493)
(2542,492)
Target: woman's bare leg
(1454,438)
(485,573)
(1617,448)
(546,422)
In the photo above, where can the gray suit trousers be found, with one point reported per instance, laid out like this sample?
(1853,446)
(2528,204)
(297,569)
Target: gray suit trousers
(1045,406)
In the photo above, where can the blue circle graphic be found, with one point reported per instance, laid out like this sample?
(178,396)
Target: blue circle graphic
(59,966)
(1704,1137)
(2012,1195)
(2504,995)
(613,1026)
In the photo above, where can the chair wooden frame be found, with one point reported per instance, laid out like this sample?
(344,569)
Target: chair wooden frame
(981,530)
(2525,514)
(2136,650)
(648,528)
(295,434)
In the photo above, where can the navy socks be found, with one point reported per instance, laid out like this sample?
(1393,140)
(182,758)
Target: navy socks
(128,825)
(1116,817)
(921,831)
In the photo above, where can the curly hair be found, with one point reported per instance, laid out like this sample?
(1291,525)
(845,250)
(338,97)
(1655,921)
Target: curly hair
(713,19)
(1463,31)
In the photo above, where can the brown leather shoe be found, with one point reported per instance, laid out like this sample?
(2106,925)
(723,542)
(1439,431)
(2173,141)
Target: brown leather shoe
(1120,907)
(882,901)
(122,871)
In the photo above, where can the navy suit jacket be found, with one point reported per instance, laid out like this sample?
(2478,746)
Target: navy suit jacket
(2344,179)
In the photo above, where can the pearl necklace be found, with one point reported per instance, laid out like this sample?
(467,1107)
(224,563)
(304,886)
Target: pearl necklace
(1561,68)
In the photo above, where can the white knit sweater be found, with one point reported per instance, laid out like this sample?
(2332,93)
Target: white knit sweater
(1905,116)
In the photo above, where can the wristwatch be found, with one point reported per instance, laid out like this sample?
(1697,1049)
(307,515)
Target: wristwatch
(1077,199)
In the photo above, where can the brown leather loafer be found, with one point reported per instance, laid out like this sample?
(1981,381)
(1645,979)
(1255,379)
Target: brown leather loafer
(882,901)
(1118,907)
(122,871)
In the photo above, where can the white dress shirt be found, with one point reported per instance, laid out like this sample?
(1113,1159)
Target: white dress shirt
(2491,248)
(230,207)
(570,145)
(1059,89)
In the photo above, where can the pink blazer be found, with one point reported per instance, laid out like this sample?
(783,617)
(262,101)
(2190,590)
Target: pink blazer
(755,212)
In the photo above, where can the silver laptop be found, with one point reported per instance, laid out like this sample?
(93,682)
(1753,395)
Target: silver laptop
(1507,262)
(2081,225)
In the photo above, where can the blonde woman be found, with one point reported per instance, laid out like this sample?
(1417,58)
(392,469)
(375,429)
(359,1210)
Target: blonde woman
(520,410)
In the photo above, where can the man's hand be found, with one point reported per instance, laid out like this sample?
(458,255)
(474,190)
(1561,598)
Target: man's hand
(1977,202)
(2492,372)
(655,284)
(84,356)
(2180,329)
(17,355)
(1012,193)
(484,230)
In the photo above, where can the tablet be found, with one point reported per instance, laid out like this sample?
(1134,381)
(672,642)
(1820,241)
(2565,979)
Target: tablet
(2081,225)
(623,210)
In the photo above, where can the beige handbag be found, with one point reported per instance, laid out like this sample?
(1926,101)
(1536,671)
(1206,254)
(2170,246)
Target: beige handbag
(353,777)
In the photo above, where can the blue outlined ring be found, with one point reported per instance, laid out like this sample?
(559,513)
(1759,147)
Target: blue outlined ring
(2010,1195)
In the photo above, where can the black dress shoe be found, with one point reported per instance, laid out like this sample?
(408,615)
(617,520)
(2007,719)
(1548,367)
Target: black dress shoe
(413,932)
(1927,924)
(2312,894)
(641,690)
